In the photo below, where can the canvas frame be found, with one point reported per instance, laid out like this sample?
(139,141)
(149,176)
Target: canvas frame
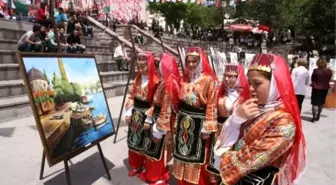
(46,150)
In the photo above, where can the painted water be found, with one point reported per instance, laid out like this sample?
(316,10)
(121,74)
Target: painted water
(80,135)
(100,107)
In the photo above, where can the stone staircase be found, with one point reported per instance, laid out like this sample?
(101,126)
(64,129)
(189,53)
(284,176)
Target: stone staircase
(154,44)
(14,101)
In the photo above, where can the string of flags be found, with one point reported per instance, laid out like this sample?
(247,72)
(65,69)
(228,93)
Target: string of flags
(217,3)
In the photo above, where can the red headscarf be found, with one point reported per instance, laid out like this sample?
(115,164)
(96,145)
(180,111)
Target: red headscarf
(170,72)
(153,77)
(295,164)
(241,82)
(206,68)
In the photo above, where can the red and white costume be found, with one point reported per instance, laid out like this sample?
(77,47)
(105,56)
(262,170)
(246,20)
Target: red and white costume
(159,153)
(273,139)
(228,99)
(197,115)
(137,105)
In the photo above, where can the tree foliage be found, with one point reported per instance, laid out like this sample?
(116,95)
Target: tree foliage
(192,14)
(65,91)
(172,12)
(268,12)
(310,17)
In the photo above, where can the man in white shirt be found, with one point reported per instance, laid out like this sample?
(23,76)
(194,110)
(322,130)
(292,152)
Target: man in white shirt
(29,41)
(120,55)
(300,78)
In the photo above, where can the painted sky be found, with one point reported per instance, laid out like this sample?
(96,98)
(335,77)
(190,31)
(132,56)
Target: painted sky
(80,70)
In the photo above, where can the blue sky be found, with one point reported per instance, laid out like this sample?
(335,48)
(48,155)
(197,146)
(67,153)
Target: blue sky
(80,70)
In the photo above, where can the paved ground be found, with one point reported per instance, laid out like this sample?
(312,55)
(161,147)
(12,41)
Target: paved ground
(20,154)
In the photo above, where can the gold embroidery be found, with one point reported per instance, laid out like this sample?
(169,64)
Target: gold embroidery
(256,66)
(287,130)
(194,53)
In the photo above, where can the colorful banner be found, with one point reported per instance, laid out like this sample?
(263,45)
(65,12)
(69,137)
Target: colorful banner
(124,10)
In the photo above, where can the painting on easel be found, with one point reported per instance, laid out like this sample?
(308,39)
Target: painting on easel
(68,102)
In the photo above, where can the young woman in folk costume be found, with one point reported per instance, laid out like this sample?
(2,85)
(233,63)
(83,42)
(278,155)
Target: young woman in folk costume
(158,150)
(271,138)
(138,103)
(196,120)
(233,91)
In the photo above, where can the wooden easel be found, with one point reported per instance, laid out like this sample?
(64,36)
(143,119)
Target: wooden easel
(128,82)
(66,166)
(129,78)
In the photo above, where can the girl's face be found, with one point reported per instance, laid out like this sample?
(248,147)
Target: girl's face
(192,63)
(259,86)
(230,80)
(142,67)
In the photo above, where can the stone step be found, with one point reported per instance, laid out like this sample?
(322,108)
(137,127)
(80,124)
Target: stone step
(107,65)
(18,106)
(16,87)
(12,71)
(8,56)
(12,88)
(10,44)
(114,76)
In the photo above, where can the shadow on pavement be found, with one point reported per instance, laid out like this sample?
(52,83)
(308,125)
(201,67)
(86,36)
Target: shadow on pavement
(311,114)
(85,172)
(33,127)
(7,132)
(122,122)
(306,118)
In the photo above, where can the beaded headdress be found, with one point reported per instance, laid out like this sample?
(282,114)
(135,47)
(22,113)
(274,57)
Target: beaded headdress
(262,62)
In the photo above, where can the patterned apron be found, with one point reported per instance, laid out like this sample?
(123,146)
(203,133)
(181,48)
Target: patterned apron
(136,136)
(188,144)
(154,150)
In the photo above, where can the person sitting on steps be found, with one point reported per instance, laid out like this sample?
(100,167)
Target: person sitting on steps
(29,40)
(74,42)
(120,56)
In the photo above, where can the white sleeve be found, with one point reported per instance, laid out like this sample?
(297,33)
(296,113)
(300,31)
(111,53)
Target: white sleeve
(117,52)
(149,120)
(228,137)
(204,132)
(128,112)
(158,133)
(231,130)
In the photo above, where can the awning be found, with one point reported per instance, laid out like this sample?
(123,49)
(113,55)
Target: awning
(240,27)
(258,31)
(263,27)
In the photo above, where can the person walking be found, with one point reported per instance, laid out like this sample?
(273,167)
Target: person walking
(320,83)
(300,78)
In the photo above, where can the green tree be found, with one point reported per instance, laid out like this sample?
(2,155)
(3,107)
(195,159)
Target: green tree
(173,12)
(268,12)
(320,16)
(77,89)
(46,76)
(56,81)
(200,16)
(192,14)
(98,85)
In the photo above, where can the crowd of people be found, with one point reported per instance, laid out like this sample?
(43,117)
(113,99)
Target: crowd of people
(42,37)
(242,129)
